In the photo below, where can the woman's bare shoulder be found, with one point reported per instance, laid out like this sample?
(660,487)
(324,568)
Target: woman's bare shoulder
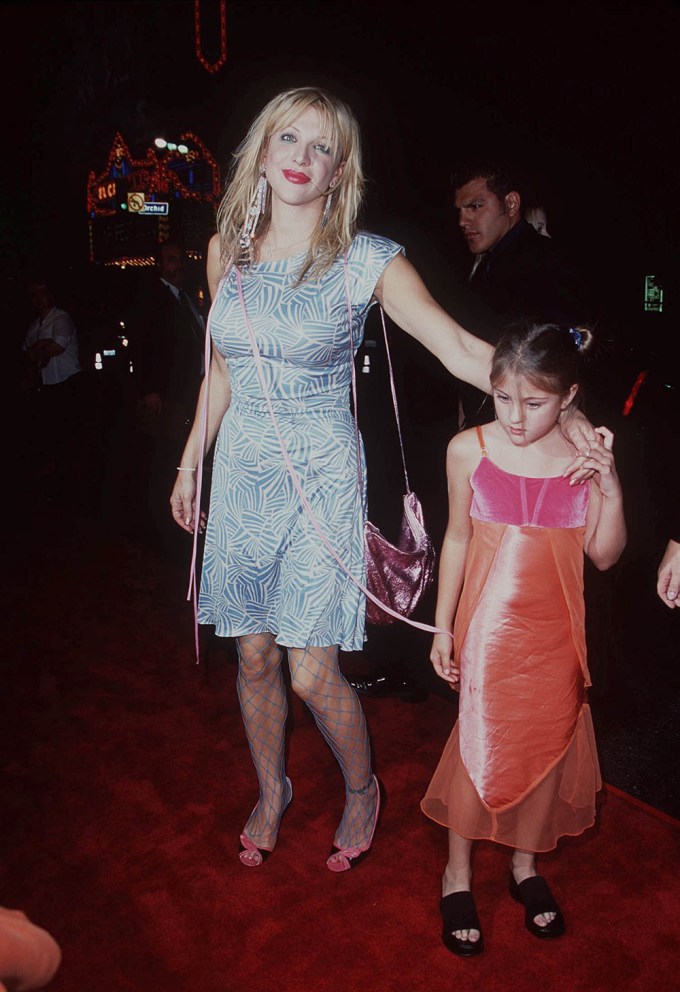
(214,265)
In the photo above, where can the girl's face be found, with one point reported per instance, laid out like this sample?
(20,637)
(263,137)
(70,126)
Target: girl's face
(300,162)
(526,412)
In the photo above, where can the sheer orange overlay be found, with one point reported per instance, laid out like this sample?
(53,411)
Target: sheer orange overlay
(520,766)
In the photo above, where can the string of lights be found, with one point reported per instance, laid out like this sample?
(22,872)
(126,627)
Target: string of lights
(215,66)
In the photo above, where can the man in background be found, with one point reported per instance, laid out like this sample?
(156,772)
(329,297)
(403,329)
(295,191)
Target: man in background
(515,274)
(168,336)
(52,380)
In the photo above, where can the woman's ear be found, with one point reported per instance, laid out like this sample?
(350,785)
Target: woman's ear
(336,175)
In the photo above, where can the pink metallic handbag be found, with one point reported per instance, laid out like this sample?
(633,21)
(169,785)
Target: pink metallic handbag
(397,574)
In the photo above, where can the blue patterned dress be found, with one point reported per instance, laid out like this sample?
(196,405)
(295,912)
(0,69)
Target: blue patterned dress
(264,567)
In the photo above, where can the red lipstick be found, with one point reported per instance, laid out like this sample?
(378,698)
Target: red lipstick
(299,178)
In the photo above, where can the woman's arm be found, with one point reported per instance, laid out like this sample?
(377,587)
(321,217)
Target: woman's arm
(406,300)
(183,496)
(461,458)
(214,267)
(605,536)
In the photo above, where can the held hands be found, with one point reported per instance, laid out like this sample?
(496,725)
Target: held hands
(595,456)
(600,462)
(183,503)
(577,429)
(444,665)
(668,576)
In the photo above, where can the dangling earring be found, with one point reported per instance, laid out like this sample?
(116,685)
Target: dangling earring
(255,211)
(327,206)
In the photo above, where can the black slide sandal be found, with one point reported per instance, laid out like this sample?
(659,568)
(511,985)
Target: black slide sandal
(460,913)
(535,895)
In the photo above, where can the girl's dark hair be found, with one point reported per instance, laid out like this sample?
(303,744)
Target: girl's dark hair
(550,356)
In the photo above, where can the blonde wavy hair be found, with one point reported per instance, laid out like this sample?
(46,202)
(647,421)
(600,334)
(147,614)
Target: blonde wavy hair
(333,237)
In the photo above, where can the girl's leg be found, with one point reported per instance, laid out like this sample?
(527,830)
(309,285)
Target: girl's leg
(316,679)
(524,866)
(264,707)
(458,876)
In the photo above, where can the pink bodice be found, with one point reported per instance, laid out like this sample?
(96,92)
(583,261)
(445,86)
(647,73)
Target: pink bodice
(504,498)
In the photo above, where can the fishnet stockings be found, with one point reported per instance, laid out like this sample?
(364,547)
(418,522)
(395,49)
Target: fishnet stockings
(262,695)
(316,678)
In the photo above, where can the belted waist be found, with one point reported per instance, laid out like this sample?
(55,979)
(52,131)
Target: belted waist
(292,406)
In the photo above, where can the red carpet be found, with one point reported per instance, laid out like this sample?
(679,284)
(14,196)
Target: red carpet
(127,781)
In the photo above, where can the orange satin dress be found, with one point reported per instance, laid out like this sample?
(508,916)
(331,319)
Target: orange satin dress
(520,766)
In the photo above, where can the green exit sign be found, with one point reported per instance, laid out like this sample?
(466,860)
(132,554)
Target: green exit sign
(653,295)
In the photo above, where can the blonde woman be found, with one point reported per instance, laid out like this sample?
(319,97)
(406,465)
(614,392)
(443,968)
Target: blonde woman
(287,262)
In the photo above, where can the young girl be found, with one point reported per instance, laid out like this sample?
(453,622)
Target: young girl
(520,767)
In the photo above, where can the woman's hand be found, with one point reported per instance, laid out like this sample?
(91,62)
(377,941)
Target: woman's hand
(668,577)
(183,502)
(578,429)
(605,536)
(600,462)
(440,656)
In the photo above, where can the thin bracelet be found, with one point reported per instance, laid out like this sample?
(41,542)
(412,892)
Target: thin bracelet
(181,468)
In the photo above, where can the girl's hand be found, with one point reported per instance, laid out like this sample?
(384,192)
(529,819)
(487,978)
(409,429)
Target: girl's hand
(601,460)
(183,502)
(440,656)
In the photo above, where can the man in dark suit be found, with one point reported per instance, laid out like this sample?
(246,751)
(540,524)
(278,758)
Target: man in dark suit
(170,337)
(516,273)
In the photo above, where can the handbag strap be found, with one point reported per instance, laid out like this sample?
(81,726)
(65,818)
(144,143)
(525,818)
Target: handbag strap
(295,479)
(354,386)
(192,591)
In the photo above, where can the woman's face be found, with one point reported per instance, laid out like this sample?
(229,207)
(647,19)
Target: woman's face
(526,412)
(299,161)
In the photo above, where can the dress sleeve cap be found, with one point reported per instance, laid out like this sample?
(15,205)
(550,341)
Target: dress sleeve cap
(369,256)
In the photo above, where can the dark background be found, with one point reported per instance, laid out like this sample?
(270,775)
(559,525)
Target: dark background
(581,97)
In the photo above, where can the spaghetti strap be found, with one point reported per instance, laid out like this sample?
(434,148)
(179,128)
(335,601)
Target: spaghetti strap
(480,438)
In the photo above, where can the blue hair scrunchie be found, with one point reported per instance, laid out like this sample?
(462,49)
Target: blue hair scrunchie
(576,335)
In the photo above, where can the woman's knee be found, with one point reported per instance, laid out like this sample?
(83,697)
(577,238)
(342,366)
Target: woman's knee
(259,654)
(313,671)
(304,683)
